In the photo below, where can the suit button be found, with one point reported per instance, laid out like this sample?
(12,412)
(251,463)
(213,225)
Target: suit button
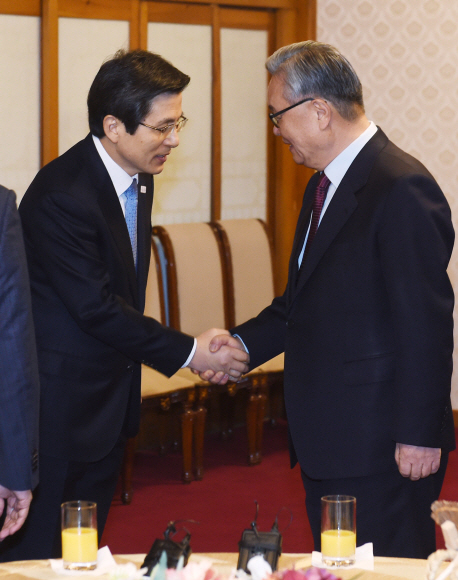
(290,323)
(129,367)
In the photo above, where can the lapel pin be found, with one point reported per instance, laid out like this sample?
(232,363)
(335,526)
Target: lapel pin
(143,188)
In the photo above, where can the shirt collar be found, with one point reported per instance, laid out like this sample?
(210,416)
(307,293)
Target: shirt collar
(121,180)
(339,166)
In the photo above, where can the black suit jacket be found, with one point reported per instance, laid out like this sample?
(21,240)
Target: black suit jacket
(19,386)
(366,325)
(87,303)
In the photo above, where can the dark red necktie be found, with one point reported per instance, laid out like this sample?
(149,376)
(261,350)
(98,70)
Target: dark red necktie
(318,201)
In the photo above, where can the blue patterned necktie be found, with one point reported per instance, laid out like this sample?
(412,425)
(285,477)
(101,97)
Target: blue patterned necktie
(131,194)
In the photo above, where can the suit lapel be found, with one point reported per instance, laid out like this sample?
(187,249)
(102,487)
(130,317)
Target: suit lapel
(145,203)
(112,212)
(339,211)
(343,204)
(301,229)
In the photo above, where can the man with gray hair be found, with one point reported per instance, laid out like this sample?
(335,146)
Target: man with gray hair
(366,319)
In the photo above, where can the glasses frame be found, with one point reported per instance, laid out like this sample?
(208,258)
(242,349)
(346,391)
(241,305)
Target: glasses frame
(273,116)
(165,131)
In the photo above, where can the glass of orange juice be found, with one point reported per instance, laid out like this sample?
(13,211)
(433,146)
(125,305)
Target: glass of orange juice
(338,530)
(79,535)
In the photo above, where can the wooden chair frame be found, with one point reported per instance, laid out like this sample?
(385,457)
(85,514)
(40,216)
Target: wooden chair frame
(261,381)
(256,385)
(183,397)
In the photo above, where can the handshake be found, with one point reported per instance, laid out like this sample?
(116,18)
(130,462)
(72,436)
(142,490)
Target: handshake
(219,357)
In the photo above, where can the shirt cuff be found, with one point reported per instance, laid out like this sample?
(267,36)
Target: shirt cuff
(240,338)
(189,359)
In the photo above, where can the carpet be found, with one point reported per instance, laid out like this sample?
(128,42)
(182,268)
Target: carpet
(223,502)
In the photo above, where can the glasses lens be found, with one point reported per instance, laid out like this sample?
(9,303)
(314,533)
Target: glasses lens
(181,123)
(274,121)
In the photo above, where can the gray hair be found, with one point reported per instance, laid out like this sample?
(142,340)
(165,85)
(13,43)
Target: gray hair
(315,69)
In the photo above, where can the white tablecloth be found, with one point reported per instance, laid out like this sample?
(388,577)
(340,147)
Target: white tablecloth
(385,568)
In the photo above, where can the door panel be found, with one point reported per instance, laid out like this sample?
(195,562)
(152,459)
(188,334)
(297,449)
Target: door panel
(96,40)
(244,129)
(19,101)
(183,190)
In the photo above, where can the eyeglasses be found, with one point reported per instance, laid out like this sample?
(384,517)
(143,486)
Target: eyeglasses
(274,116)
(165,131)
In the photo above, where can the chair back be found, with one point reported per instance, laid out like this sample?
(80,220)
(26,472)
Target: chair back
(195,281)
(154,299)
(249,257)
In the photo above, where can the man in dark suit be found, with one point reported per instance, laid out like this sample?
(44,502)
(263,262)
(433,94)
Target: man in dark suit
(19,385)
(366,319)
(87,227)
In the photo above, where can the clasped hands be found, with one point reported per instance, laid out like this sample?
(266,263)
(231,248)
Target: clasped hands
(219,357)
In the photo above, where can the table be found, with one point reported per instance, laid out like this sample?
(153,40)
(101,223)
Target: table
(385,568)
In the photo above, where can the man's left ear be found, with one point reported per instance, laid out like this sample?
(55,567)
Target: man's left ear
(323,112)
(111,126)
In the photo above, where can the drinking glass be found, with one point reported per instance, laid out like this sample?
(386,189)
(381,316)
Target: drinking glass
(338,530)
(79,535)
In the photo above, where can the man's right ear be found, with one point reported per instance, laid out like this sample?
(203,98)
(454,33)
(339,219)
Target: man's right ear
(111,126)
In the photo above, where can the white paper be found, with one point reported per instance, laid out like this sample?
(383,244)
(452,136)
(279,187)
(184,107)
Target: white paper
(105,564)
(259,568)
(364,558)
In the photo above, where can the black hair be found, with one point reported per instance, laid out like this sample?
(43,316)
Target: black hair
(126,85)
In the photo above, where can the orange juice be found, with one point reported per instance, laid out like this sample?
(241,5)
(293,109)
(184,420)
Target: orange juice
(79,545)
(338,543)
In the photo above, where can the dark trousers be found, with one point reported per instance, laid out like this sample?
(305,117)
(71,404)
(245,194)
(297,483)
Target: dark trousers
(60,481)
(392,512)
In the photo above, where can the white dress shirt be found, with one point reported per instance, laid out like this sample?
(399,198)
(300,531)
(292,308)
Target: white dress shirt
(121,182)
(337,169)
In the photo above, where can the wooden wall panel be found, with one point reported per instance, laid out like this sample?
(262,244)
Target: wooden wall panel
(178,13)
(49,81)
(248,19)
(135,25)
(98,9)
(261,4)
(21,7)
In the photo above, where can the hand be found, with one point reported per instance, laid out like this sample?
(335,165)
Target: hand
(216,343)
(219,378)
(415,462)
(17,507)
(226,361)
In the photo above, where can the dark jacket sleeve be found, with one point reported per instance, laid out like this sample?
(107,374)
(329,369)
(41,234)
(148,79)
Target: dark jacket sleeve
(415,244)
(19,385)
(78,263)
(264,336)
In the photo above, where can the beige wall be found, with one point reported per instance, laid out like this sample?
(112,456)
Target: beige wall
(405,52)
(19,101)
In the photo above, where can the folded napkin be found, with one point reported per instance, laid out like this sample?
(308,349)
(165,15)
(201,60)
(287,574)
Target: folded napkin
(364,558)
(105,564)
